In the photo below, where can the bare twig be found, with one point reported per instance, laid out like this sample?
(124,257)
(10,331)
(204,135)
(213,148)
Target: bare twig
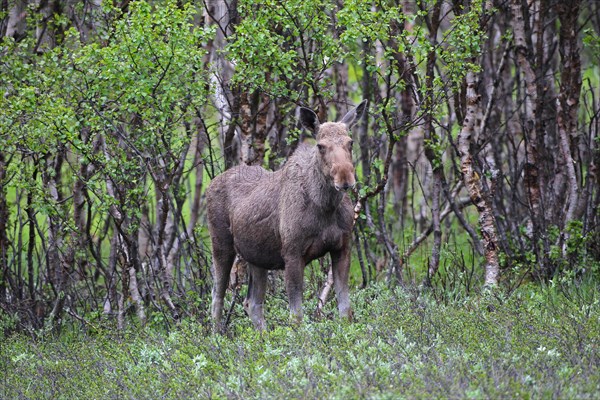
(325,291)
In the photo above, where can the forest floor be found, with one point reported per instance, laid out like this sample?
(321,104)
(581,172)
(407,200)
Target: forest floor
(539,342)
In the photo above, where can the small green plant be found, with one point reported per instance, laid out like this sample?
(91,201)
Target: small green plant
(537,342)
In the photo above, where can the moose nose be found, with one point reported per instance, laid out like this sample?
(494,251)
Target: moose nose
(345,186)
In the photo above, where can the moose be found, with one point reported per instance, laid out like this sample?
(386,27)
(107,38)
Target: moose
(285,219)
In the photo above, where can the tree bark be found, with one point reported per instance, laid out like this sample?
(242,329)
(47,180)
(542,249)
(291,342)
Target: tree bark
(539,167)
(226,99)
(3,225)
(472,181)
(51,177)
(16,23)
(568,98)
(253,128)
(522,53)
(431,143)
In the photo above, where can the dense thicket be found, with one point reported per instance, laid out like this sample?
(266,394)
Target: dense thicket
(477,162)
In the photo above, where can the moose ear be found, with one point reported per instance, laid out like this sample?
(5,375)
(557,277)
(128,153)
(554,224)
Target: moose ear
(309,119)
(355,114)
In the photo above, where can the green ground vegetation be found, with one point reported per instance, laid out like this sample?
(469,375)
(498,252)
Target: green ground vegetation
(537,342)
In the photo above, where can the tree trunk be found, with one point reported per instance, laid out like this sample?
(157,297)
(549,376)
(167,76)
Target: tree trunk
(51,178)
(227,100)
(253,127)
(568,98)
(199,143)
(472,181)
(3,225)
(15,25)
(431,143)
(531,113)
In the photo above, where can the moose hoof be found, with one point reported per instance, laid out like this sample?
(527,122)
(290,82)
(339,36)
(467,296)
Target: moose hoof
(218,328)
(296,319)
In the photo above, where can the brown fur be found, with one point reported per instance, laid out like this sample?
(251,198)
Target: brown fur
(286,219)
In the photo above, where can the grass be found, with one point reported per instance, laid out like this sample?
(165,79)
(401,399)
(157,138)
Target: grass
(541,342)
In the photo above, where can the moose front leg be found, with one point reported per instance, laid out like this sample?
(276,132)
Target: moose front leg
(253,304)
(294,284)
(340,261)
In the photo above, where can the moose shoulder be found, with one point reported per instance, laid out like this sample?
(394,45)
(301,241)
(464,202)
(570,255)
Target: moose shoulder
(286,219)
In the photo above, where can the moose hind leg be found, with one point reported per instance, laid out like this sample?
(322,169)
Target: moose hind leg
(253,304)
(294,284)
(223,256)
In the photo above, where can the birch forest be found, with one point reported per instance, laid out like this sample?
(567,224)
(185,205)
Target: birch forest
(477,160)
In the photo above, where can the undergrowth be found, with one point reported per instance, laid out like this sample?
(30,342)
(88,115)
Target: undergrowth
(539,342)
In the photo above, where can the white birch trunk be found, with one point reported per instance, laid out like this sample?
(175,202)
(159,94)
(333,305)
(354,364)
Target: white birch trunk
(487,223)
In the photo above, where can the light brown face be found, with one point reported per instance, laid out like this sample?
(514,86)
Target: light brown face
(335,150)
